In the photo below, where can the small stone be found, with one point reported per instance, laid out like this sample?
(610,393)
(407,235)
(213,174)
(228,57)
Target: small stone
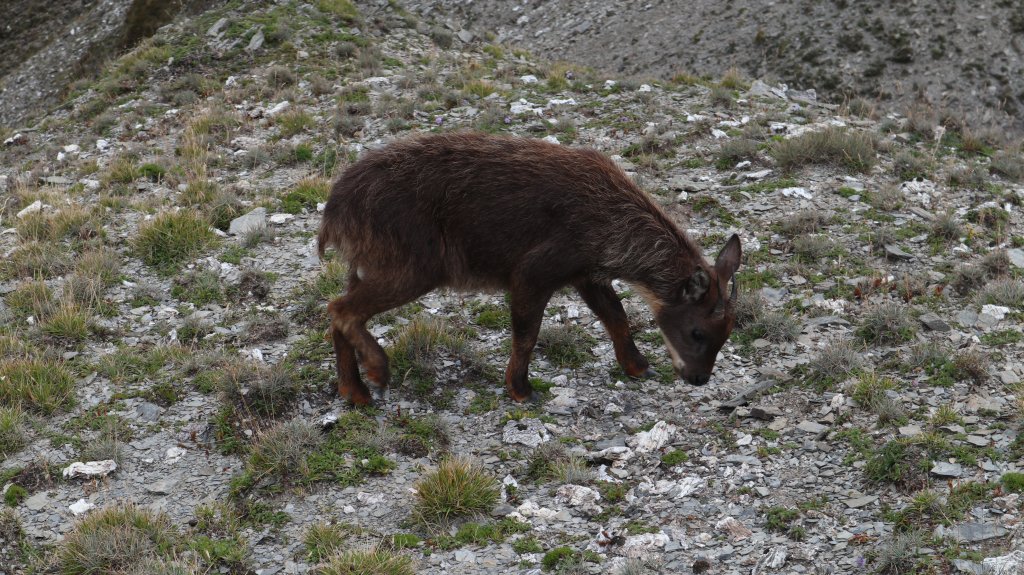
(765,413)
(248,222)
(996,311)
(37,501)
(148,411)
(910,430)
(1016,256)
(56,181)
(465,35)
(977,441)
(33,208)
(971,532)
(161,486)
(655,438)
(1009,378)
(735,529)
(933,322)
(278,108)
(90,469)
(858,502)
(796,193)
(922,213)
(529,432)
(217,27)
(465,556)
(81,506)
(775,558)
(1012,564)
(895,253)
(811,427)
(946,469)
(256,42)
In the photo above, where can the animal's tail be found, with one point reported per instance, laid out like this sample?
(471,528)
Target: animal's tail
(326,239)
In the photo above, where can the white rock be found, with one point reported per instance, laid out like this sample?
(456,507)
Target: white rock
(996,311)
(674,489)
(377,82)
(174,453)
(281,218)
(524,107)
(278,108)
(528,79)
(643,546)
(530,509)
(255,219)
(718,134)
(733,528)
(616,453)
(644,88)
(529,432)
(561,102)
(102,145)
(775,558)
(577,495)
(90,469)
(72,149)
(33,208)
(1012,564)
(369,498)
(320,206)
(81,506)
(654,439)
(796,192)
(551,139)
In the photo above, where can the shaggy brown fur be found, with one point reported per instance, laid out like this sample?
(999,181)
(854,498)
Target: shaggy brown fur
(473,211)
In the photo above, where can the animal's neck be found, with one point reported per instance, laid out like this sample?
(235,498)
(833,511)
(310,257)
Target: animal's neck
(655,256)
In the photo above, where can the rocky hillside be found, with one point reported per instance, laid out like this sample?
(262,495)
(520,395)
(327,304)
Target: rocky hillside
(48,46)
(166,393)
(959,58)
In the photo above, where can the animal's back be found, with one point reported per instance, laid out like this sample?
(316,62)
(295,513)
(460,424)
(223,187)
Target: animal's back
(475,206)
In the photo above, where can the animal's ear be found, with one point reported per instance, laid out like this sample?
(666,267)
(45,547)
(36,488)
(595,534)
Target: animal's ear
(694,287)
(728,259)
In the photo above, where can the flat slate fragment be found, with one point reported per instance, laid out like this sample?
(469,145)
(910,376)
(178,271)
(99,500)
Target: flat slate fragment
(933,322)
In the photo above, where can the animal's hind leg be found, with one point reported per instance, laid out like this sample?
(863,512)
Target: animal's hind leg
(605,303)
(349,314)
(350,385)
(527,314)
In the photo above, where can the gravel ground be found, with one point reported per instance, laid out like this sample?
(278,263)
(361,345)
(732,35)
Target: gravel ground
(864,416)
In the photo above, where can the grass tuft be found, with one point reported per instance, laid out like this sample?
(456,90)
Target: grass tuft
(115,539)
(458,487)
(370,562)
(566,346)
(36,385)
(835,146)
(172,239)
(887,323)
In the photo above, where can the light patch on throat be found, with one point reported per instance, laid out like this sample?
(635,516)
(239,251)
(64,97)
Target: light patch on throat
(653,301)
(677,361)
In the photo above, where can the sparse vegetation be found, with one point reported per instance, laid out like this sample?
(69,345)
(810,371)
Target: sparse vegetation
(458,487)
(171,239)
(850,149)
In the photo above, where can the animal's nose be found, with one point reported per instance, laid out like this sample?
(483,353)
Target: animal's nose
(701,379)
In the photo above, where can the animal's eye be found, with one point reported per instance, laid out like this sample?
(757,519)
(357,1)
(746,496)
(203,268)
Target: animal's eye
(697,335)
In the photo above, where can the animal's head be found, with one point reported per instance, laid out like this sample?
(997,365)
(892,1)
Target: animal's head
(700,316)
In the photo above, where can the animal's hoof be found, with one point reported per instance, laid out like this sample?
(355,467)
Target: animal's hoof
(357,396)
(649,373)
(532,397)
(377,393)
